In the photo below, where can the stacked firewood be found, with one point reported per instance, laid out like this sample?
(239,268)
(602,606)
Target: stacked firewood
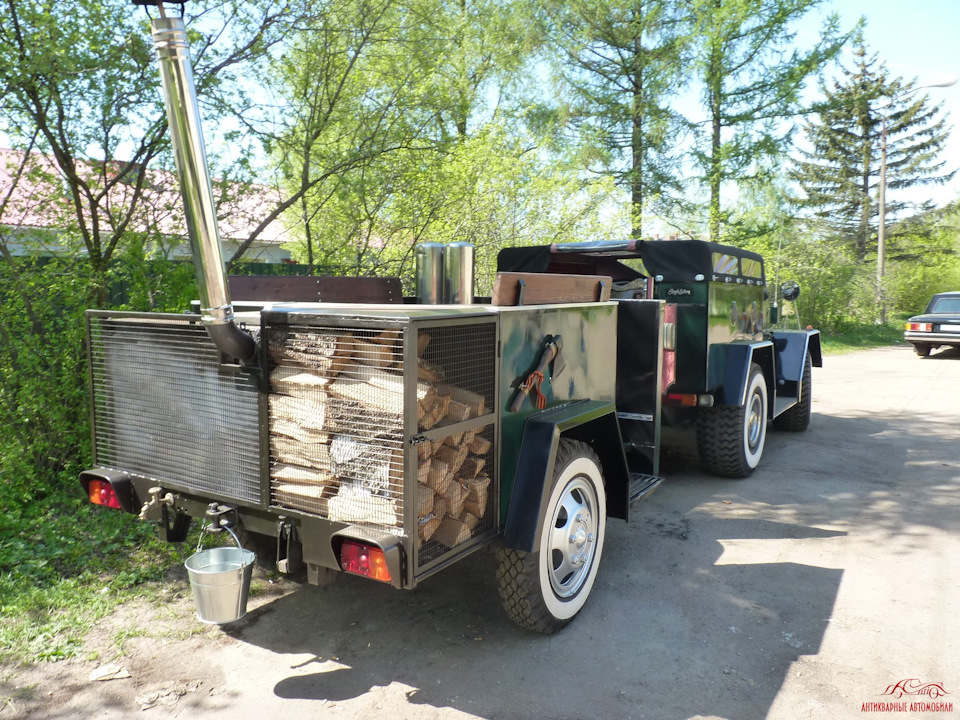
(453,489)
(336,434)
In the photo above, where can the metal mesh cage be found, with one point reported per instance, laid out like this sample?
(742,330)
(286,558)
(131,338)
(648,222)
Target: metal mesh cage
(163,409)
(455,500)
(336,423)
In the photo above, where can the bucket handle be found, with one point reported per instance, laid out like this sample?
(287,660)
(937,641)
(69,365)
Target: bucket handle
(225,527)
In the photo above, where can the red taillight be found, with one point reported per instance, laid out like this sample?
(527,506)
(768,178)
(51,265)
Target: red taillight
(361,559)
(920,327)
(685,399)
(102,493)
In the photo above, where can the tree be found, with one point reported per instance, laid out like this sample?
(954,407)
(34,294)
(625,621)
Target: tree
(621,61)
(751,77)
(840,170)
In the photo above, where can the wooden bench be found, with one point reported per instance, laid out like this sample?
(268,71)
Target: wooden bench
(514,288)
(299,288)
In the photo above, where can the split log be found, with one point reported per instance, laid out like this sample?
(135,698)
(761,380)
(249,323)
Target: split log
(477,495)
(480,445)
(453,457)
(452,532)
(302,475)
(424,500)
(471,467)
(428,526)
(308,498)
(353,505)
(324,352)
(290,380)
(296,452)
(388,337)
(454,496)
(439,506)
(475,403)
(374,354)
(470,520)
(423,340)
(440,475)
(308,412)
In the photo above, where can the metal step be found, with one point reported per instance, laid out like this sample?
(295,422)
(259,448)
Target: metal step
(641,485)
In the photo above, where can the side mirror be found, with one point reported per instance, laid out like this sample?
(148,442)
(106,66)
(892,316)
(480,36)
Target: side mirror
(790,290)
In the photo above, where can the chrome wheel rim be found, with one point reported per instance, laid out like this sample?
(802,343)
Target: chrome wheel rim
(755,420)
(573,538)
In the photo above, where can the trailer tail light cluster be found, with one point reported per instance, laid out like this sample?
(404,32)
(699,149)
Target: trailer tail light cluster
(366,560)
(669,345)
(102,493)
(920,327)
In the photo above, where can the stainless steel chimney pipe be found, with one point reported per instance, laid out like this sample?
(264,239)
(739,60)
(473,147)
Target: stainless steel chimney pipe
(183,116)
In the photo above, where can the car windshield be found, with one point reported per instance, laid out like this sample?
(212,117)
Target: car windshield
(946,305)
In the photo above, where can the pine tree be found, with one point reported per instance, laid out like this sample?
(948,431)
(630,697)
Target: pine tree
(840,172)
(752,81)
(621,61)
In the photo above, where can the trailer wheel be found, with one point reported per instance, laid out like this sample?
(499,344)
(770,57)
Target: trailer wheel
(730,439)
(543,591)
(797,418)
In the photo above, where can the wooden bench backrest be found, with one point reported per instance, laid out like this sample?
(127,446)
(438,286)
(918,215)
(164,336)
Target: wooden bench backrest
(512,288)
(298,288)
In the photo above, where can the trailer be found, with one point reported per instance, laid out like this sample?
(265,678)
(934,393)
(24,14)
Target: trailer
(363,432)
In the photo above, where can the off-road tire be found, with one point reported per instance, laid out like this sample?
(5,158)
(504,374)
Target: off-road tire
(797,418)
(730,440)
(536,591)
(922,349)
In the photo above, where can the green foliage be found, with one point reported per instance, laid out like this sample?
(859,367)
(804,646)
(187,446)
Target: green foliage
(621,63)
(840,173)
(752,78)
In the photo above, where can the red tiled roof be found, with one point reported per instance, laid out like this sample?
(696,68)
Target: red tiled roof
(39,200)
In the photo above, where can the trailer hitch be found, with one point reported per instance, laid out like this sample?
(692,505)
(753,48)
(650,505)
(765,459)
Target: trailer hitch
(220,517)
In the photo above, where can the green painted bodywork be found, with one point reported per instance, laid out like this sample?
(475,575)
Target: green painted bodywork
(709,313)
(589,333)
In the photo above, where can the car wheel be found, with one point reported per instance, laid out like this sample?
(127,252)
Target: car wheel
(922,349)
(797,418)
(544,590)
(730,440)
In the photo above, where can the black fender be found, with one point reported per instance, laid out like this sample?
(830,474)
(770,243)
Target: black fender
(792,347)
(592,421)
(730,367)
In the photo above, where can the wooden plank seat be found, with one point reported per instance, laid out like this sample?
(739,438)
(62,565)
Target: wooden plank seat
(299,288)
(520,288)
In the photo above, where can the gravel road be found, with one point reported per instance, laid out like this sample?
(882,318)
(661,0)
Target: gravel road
(804,591)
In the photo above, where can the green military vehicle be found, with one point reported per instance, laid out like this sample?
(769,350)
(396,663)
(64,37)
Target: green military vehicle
(359,431)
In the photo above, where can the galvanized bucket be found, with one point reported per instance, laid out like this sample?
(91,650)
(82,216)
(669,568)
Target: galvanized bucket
(220,580)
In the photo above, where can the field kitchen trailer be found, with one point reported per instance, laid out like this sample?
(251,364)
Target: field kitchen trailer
(390,437)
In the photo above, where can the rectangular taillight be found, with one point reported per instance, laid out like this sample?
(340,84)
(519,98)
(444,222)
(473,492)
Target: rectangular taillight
(366,560)
(920,327)
(102,493)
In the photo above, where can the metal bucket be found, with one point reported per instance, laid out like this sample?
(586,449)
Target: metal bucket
(429,273)
(220,581)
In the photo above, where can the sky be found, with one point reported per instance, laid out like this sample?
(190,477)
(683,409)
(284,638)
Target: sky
(919,39)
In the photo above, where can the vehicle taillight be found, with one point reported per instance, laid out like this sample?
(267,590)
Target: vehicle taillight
(102,493)
(920,327)
(366,560)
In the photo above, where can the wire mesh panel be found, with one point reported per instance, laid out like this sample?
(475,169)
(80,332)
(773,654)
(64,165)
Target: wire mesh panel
(456,469)
(336,423)
(163,410)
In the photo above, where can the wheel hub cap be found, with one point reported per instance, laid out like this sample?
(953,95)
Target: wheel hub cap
(573,538)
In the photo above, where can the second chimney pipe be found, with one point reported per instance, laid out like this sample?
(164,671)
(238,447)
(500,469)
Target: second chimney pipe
(183,116)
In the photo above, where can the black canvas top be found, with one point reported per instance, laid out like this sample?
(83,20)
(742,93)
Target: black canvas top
(675,260)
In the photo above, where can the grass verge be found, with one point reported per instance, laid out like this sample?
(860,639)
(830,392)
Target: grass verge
(862,337)
(64,564)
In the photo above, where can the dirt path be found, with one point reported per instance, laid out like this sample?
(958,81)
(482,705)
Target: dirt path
(802,592)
